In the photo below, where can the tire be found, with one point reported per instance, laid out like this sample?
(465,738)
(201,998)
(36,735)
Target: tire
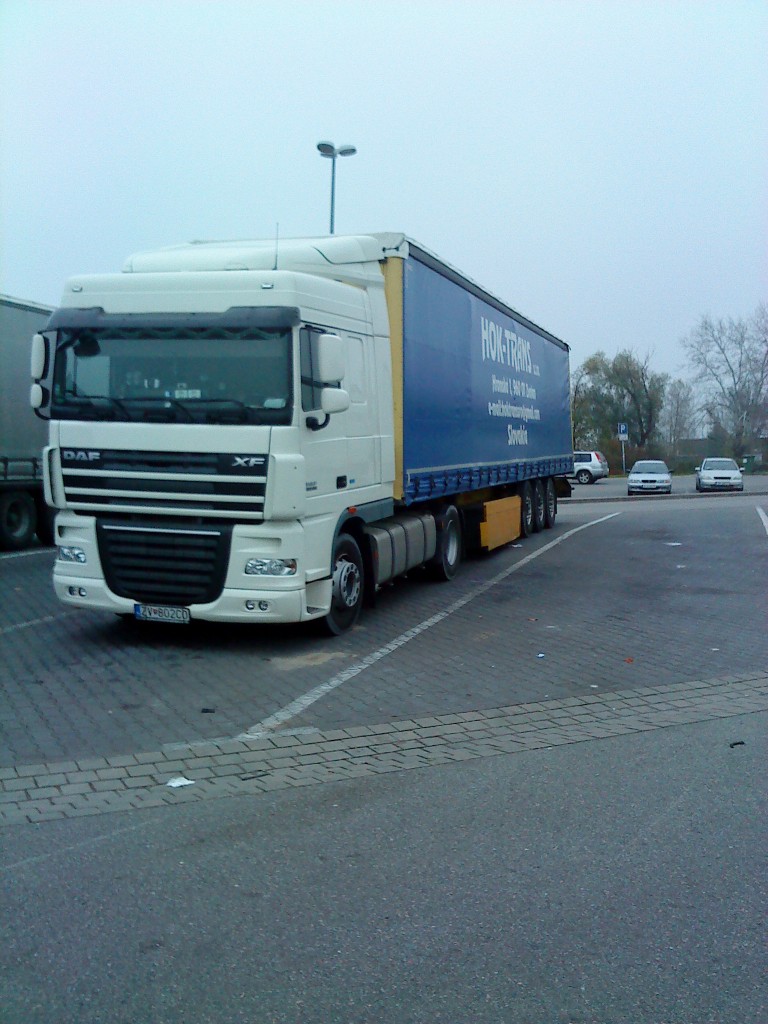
(550,504)
(539,506)
(348,582)
(526,510)
(585,477)
(46,531)
(18,520)
(698,486)
(445,563)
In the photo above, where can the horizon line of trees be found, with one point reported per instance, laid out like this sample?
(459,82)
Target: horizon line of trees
(725,398)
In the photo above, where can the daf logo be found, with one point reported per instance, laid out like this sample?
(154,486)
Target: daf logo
(80,455)
(247,461)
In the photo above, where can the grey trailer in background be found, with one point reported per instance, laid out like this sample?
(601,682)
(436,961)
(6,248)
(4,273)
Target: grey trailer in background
(23,511)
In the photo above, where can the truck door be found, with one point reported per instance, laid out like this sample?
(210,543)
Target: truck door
(362,451)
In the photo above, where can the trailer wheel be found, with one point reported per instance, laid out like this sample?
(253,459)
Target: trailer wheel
(526,510)
(18,519)
(550,503)
(539,507)
(348,585)
(445,563)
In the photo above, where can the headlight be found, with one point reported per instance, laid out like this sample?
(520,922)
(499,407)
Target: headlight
(72,554)
(270,567)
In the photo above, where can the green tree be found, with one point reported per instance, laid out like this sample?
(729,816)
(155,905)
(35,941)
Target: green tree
(608,391)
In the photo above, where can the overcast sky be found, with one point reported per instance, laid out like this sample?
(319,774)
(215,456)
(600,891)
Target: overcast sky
(601,165)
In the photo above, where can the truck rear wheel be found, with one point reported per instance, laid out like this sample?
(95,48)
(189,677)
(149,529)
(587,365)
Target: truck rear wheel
(347,590)
(526,510)
(550,502)
(445,563)
(18,519)
(539,507)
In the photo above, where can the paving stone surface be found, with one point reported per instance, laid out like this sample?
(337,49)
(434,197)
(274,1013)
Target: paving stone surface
(30,793)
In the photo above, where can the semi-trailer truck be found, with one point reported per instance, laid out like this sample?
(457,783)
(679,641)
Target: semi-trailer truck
(23,511)
(269,431)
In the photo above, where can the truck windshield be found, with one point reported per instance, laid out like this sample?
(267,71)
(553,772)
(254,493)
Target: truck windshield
(192,374)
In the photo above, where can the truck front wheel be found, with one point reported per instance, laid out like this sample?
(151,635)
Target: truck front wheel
(347,591)
(46,531)
(18,519)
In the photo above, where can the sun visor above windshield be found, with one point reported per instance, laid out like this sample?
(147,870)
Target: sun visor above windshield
(269,317)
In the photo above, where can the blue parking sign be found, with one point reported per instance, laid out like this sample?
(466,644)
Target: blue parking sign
(623,432)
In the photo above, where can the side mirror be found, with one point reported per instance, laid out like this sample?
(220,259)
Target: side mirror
(331,400)
(36,396)
(698,468)
(330,359)
(38,356)
(334,400)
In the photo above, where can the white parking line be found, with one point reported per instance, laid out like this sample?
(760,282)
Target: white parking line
(32,622)
(267,725)
(25,554)
(763,516)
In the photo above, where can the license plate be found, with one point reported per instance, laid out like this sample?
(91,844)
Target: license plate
(160,613)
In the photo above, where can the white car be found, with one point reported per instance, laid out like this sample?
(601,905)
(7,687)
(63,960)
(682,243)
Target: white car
(719,475)
(649,477)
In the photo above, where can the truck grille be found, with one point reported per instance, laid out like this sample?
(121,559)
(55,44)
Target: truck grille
(164,563)
(189,483)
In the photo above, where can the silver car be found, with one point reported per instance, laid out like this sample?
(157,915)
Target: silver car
(589,466)
(719,475)
(649,477)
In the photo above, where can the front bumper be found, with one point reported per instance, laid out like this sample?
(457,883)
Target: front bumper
(231,606)
(721,485)
(242,598)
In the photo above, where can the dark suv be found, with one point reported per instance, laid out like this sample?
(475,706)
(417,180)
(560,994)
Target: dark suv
(589,466)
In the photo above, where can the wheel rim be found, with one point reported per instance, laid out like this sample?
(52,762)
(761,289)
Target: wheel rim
(347,584)
(451,543)
(16,520)
(550,502)
(540,504)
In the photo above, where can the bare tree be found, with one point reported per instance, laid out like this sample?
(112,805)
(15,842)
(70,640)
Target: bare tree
(679,415)
(730,361)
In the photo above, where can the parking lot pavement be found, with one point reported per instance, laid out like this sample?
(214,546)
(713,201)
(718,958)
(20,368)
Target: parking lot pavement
(97,716)
(249,766)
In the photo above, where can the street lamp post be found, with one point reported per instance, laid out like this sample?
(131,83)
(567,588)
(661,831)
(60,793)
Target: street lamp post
(330,151)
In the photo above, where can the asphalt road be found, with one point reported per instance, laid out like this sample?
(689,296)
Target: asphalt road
(616,879)
(614,882)
(682,486)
